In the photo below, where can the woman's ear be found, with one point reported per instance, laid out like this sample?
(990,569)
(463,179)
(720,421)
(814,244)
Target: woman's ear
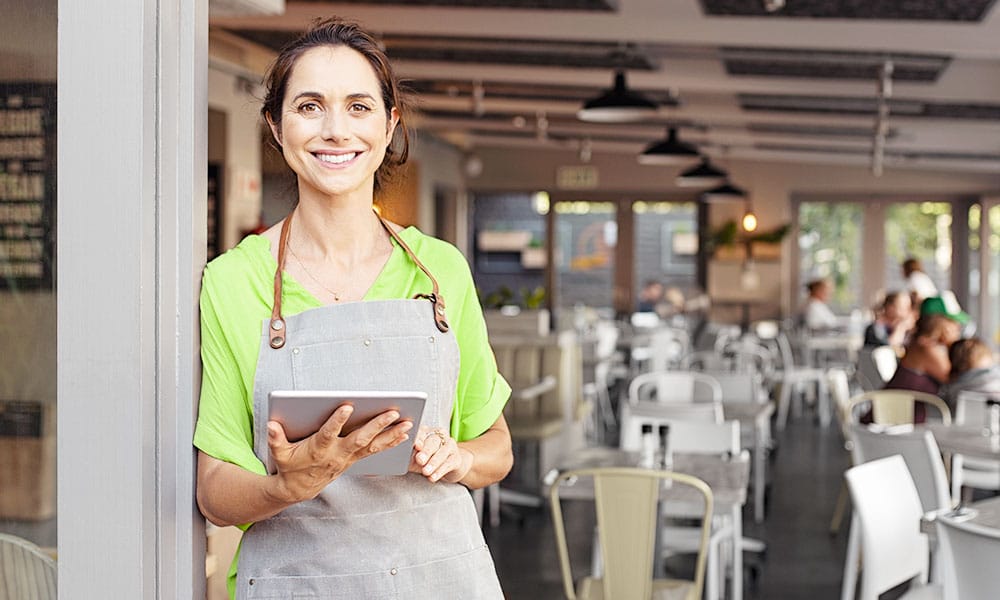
(275,129)
(391,125)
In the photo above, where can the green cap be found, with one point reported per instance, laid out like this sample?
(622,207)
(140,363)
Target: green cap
(946,304)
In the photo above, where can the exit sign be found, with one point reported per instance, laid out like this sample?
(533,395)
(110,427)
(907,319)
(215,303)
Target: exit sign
(582,177)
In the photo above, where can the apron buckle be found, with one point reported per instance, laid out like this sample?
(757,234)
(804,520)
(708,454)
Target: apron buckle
(439,312)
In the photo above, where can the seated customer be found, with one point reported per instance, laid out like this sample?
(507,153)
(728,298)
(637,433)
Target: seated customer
(894,321)
(973,369)
(925,365)
(817,315)
(650,296)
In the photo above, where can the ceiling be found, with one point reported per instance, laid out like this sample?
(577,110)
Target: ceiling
(799,84)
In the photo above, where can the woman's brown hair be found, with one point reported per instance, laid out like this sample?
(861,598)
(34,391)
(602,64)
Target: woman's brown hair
(336,32)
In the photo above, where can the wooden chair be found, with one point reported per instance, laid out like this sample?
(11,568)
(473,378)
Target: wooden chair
(626,502)
(25,571)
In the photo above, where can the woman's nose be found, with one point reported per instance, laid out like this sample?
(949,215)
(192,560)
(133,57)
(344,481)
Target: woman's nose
(335,125)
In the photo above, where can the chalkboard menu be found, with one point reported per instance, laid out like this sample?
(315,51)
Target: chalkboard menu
(27,184)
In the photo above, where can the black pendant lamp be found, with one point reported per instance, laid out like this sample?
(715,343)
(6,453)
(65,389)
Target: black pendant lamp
(726,192)
(670,151)
(704,174)
(618,105)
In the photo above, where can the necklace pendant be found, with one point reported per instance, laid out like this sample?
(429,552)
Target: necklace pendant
(336,297)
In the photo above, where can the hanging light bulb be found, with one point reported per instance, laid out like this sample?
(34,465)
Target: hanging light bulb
(749,219)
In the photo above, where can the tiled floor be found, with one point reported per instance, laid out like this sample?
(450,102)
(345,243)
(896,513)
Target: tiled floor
(802,559)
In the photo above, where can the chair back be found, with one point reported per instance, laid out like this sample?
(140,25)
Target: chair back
(738,387)
(840,391)
(888,510)
(674,387)
(876,366)
(974,553)
(921,454)
(626,502)
(701,416)
(25,571)
(686,435)
(970,407)
(895,407)
(667,345)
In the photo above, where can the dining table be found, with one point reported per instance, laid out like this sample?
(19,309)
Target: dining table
(727,475)
(967,440)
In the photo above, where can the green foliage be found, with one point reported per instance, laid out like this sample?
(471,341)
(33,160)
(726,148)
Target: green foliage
(504,296)
(533,298)
(728,234)
(498,298)
(830,244)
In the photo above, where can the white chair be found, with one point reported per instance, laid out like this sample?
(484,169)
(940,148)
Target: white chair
(626,502)
(25,571)
(887,508)
(697,413)
(876,366)
(973,553)
(840,394)
(971,472)
(792,380)
(923,459)
(673,387)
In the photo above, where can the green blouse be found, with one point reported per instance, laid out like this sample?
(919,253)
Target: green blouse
(236,298)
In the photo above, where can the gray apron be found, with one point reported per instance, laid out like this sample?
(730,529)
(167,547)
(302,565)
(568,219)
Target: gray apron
(365,536)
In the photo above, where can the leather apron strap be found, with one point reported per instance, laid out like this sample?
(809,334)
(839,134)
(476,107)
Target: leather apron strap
(277,325)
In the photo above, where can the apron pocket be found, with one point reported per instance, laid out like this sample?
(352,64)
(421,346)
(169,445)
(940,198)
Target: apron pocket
(341,587)
(467,576)
(402,363)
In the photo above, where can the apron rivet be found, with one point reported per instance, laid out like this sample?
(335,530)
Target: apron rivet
(251,582)
(277,325)
(368,342)
(431,339)
(392,571)
(295,350)
(440,310)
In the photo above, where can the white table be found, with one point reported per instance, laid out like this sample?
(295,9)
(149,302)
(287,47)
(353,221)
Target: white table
(726,476)
(967,440)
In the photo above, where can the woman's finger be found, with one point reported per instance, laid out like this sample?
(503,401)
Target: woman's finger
(329,433)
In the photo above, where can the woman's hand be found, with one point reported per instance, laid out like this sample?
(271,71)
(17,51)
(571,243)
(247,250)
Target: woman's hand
(309,465)
(438,457)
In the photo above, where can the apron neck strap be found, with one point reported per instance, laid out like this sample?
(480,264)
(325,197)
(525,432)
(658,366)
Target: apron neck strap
(437,300)
(277,324)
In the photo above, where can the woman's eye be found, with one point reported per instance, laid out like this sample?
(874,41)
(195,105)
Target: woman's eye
(308,107)
(358,107)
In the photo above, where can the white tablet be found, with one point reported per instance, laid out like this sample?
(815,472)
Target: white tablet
(302,413)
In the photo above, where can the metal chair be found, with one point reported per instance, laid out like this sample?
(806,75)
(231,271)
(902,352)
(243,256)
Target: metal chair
(974,553)
(971,472)
(887,508)
(673,387)
(876,366)
(626,501)
(895,407)
(923,460)
(25,571)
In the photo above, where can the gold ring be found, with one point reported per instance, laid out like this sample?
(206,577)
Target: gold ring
(442,438)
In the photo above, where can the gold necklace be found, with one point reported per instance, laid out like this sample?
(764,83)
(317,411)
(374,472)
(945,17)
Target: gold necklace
(336,295)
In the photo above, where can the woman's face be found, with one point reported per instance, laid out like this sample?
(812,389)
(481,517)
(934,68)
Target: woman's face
(899,309)
(334,126)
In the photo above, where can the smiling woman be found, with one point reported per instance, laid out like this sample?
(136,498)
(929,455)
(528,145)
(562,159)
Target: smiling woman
(360,308)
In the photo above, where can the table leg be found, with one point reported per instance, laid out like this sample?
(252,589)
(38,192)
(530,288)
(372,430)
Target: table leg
(759,464)
(737,552)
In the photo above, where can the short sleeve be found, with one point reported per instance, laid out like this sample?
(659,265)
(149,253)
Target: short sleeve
(482,392)
(224,429)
